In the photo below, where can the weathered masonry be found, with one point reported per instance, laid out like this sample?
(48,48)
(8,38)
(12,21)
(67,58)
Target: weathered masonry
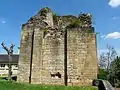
(58,50)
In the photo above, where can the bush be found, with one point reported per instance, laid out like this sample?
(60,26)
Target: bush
(74,23)
(102,74)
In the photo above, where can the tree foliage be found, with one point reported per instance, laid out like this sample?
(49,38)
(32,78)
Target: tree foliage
(109,66)
(102,74)
(114,76)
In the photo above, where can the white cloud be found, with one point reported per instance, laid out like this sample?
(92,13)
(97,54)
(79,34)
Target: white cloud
(3,21)
(114,35)
(103,36)
(114,3)
(115,18)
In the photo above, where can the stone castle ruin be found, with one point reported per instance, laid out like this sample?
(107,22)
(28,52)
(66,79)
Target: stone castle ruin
(58,50)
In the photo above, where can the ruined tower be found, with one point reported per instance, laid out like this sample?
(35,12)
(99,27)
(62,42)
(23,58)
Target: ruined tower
(58,50)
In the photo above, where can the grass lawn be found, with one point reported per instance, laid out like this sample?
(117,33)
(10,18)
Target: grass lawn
(10,85)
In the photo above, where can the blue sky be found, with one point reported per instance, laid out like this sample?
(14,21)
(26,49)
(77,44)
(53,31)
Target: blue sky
(106,18)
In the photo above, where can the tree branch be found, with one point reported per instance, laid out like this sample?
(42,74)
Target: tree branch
(4,47)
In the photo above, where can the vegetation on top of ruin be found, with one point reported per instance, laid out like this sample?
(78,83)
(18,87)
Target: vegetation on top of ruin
(69,21)
(68,18)
(45,10)
(74,23)
(83,20)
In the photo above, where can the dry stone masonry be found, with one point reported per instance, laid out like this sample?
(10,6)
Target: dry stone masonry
(58,50)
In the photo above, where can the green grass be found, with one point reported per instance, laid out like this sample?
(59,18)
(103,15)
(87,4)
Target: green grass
(10,85)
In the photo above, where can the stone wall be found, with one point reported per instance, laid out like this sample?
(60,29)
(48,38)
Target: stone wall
(25,55)
(52,61)
(82,58)
(37,56)
(48,59)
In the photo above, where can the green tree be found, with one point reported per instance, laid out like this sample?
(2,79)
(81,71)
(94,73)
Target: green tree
(114,76)
(107,65)
(102,74)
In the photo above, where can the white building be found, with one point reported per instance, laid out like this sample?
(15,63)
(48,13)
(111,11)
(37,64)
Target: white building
(4,62)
